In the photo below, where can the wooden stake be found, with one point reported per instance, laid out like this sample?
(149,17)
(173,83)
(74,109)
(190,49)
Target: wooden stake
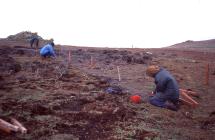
(207,75)
(22,129)
(37,73)
(7,127)
(92,62)
(188,92)
(69,57)
(118,73)
(187,98)
(186,102)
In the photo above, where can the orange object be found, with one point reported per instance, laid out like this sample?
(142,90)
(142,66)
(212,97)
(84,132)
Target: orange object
(22,129)
(185,102)
(188,99)
(188,92)
(7,127)
(135,99)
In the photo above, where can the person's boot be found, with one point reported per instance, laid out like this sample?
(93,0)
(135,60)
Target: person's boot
(172,107)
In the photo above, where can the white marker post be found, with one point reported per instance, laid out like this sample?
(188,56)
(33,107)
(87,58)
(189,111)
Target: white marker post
(91,61)
(69,57)
(118,73)
(37,73)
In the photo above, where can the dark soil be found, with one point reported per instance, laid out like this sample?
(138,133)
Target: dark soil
(58,99)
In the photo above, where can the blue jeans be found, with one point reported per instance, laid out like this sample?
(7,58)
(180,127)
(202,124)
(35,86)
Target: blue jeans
(162,103)
(48,54)
(157,101)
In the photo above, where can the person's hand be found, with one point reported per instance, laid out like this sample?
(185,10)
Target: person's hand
(151,94)
(54,57)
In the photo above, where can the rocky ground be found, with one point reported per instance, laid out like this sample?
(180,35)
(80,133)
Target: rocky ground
(64,99)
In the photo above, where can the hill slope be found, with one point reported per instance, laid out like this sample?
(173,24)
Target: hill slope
(64,98)
(195,44)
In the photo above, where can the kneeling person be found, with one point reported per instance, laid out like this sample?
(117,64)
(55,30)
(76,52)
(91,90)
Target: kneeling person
(166,93)
(48,50)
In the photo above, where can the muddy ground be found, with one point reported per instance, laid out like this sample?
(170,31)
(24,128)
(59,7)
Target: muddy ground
(66,99)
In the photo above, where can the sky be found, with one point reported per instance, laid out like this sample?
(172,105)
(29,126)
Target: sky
(111,23)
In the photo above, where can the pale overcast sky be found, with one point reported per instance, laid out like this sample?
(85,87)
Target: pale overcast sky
(111,23)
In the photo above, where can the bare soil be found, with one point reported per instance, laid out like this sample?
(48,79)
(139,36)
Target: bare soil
(58,99)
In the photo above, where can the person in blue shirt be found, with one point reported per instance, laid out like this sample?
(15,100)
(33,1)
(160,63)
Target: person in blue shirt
(166,93)
(34,40)
(48,50)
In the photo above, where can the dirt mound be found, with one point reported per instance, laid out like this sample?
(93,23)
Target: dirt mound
(113,56)
(8,65)
(25,35)
(138,58)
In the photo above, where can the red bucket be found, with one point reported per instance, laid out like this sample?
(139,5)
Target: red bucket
(135,99)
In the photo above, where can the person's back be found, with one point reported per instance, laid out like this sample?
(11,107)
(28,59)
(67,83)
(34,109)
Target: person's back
(166,85)
(47,50)
(166,88)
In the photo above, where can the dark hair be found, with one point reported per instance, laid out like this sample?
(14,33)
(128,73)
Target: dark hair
(52,43)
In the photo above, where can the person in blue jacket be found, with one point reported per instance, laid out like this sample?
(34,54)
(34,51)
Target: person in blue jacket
(48,50)
(166,93)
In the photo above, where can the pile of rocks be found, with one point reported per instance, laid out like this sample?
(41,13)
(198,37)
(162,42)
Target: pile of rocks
(25,35)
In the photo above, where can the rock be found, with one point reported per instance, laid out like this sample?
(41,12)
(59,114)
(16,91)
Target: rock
(99,96)
(63,137)
(137,58)
(25,35)
(21,78)
(114,90)
(91,87)
(87,99)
